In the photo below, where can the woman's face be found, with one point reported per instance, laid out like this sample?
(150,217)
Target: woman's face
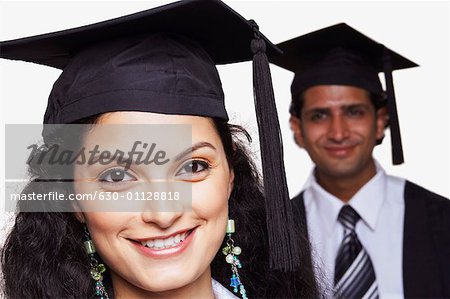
(166,245)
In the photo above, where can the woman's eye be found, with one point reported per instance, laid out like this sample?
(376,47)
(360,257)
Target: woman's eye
(193,167)
(116,175)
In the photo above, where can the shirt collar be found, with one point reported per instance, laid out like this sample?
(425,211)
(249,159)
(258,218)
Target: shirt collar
(367,201)
(327,204)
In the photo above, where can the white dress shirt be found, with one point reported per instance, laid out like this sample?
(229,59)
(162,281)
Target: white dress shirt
(381,205)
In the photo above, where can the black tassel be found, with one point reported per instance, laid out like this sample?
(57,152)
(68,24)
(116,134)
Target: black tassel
(396,139)
(284,251)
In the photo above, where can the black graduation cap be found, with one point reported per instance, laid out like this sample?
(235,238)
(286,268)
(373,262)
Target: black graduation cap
(341,55)
(163,60)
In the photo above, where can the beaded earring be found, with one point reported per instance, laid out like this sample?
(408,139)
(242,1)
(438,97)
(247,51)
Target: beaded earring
(96,269)
(231,253)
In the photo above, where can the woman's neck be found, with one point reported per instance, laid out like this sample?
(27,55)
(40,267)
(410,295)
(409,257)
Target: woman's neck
(200,288)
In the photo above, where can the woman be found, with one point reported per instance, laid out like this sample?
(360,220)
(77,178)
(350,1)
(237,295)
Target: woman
(153,78)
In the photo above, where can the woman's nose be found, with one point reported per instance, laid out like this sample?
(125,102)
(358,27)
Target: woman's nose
(163,213)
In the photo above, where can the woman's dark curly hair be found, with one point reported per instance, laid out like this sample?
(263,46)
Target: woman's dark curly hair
(44,257)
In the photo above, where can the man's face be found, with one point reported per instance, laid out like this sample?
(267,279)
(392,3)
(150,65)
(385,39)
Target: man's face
(338,127)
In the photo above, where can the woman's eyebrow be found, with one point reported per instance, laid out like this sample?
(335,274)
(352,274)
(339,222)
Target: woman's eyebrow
(193,149)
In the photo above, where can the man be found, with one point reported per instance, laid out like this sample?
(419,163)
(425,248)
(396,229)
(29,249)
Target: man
(372,235)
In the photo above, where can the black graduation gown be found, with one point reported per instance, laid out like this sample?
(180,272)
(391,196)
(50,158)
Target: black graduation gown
(426,242)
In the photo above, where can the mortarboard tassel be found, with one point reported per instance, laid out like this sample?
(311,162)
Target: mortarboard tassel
(284,252)
(396,140)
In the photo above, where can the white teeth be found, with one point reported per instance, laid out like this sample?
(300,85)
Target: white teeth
(159,243)
(165,243)
(169,242)
(177,239)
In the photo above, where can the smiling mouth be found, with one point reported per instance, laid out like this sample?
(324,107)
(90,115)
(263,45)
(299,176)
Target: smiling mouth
(340,150)
(164,243)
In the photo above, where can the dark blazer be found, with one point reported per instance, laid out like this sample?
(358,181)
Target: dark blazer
(426,242)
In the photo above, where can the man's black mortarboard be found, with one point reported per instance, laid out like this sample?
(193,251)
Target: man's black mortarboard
(163,60)
(341,55)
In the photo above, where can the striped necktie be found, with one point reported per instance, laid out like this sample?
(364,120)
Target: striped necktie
(354,275)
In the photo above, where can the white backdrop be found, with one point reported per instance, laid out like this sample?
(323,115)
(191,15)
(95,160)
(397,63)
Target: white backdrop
(417,30)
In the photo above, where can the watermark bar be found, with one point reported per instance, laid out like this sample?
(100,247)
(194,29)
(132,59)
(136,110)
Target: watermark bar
(120,168)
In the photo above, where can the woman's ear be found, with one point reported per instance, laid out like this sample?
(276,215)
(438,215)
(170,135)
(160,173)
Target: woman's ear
(78,213)
(231,183)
